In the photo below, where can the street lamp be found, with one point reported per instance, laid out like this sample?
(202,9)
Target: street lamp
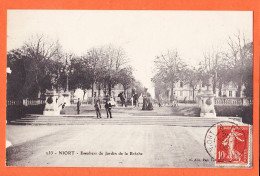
(67,69)
(67,75)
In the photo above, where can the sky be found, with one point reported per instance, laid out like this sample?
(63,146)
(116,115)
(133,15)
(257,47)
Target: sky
(142,34)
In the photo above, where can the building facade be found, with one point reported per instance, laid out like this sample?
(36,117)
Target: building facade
(186,92)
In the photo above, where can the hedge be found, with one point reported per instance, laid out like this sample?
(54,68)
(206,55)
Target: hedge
(246,112)
(18,111)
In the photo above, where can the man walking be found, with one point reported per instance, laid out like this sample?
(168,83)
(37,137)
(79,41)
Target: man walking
(108,107)
(98,108)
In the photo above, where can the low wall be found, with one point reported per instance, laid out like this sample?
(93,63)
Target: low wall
(18,111)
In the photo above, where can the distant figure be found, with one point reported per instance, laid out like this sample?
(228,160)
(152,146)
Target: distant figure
(78,106)
(150,105)
(185,100)
(108,107)
(122,98)
(171,103)
(98,108)
(136,97)
(145,104)
(63,105)
(175,100)
(160,100)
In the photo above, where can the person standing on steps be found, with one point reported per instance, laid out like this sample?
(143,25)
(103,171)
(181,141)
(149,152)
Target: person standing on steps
(78,106)
(108,107)
(98,108)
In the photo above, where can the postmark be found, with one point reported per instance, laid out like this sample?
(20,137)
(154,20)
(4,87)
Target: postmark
(228,143)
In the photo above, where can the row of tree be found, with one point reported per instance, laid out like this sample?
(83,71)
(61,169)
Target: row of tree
(41,64)
(235,64)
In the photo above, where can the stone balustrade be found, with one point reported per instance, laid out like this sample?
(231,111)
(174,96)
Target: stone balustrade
(234,101)
(25,102)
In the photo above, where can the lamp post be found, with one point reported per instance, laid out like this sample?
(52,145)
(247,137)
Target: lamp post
(67,75)
(66,94)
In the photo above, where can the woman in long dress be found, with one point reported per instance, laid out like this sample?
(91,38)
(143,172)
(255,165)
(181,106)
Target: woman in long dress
(230,140)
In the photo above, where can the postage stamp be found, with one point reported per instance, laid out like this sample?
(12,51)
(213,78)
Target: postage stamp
(232,144)
(228,144)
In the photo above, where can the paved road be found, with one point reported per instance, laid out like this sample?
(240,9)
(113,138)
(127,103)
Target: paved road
(153,146)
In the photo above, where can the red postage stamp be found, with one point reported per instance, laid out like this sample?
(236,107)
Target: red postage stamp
(232,145)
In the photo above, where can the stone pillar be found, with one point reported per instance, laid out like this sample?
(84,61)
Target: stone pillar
(51,103)
(207,104)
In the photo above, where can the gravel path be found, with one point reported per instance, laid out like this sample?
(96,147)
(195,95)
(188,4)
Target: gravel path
(80,146)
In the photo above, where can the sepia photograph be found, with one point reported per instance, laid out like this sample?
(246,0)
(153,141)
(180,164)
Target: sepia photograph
(129,88)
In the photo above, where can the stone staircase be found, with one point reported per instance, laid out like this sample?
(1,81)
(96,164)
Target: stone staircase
(121,119)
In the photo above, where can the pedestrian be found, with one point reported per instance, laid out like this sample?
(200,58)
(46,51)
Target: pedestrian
(78,106)
(185,100)
(172,101)
(175,100)
(108,107)
(63,105)
(160,100)
(123,99)
(98,108)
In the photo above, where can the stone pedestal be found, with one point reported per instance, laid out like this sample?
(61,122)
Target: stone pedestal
(51,103)
(67,97)
(206,103)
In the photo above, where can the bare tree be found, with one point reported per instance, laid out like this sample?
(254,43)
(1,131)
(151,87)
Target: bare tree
(42,60)
(168,68)
(212,62)
(239,54)
(115,60)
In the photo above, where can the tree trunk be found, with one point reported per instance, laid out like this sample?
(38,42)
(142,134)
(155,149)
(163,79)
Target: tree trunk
(214,87)
(105,89)
(124,90)
(92,87)
(220,90)
(239,89)
(109,89)
(99,88)
(172,86)
(84,93)
(193,91)
(39,94)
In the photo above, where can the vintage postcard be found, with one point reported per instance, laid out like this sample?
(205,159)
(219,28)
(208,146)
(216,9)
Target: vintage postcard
(130,90)
(163,89)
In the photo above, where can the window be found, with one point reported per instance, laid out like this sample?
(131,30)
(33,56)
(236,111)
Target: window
(181,93)
(230,94)
(181,84)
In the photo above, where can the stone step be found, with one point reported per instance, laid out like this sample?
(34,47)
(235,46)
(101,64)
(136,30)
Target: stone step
(132,120)
(123,122)
(127,119)
(119,123)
